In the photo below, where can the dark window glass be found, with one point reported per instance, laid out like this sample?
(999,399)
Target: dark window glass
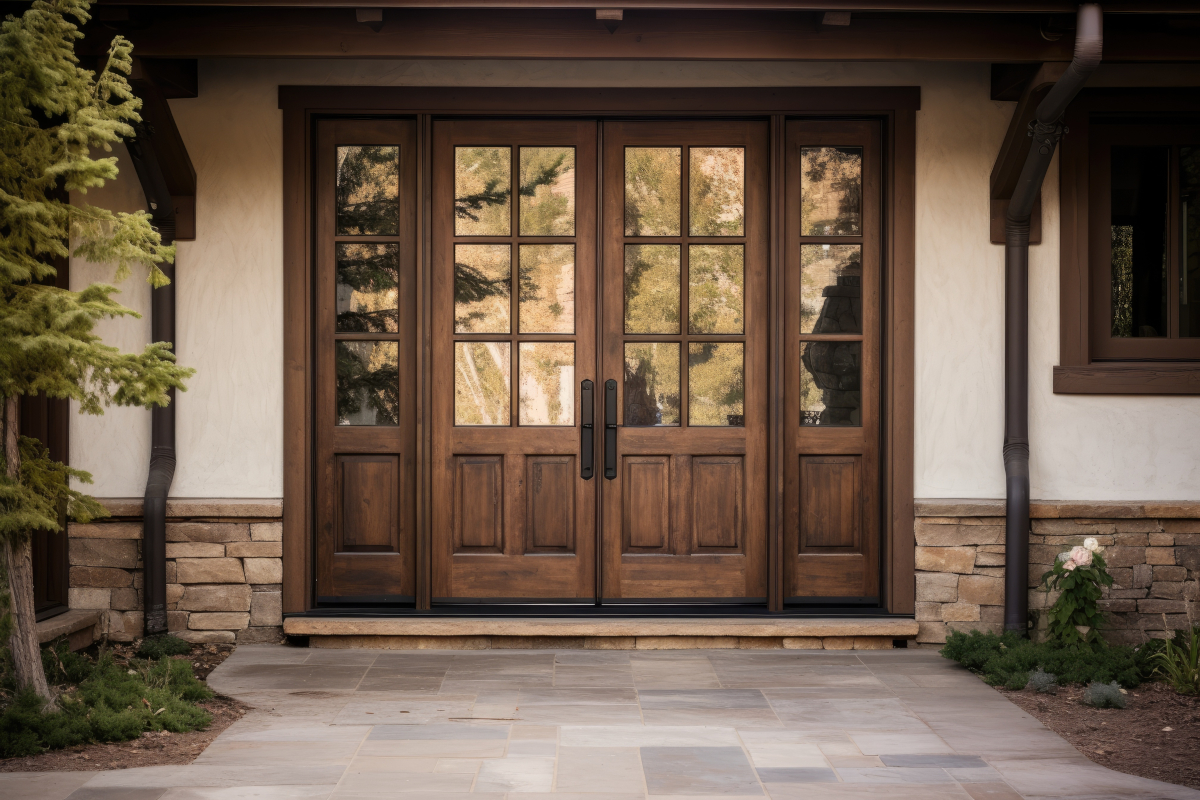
(831,383)
(1140,267)
(1189,272)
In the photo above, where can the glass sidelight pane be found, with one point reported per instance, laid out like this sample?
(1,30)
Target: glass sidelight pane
(831,383)
(651,383)
(652,180)
(716,385)
(831,191)
(547,288)
(1140,249)
(717,191)
(482,377)
(716,288)
(482,191)
(831,288)
(1189,268)
(547,191)
(652,288)
(366,200)
(367,276)
(547,383)
(368,383)
(482,283)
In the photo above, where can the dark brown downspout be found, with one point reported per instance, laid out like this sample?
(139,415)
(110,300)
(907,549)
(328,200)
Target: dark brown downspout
(169,183)
(1045,130)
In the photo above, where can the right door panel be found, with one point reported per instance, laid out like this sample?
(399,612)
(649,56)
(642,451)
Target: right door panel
(832,331)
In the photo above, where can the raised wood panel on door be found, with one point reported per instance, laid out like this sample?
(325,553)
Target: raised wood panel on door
(832,510)
(512,519)
(365,498)
(686,517)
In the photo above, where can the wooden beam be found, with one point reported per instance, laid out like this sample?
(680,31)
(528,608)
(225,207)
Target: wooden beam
(1011,159)
(167,144)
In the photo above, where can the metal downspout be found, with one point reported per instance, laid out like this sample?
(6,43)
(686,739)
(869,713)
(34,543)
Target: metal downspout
(162,435)
(1045,130)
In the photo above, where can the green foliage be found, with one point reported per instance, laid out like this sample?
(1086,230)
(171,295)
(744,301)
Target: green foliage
(100,701)
(1007,660)
(1179,662)
(165,645)
(1103,695)
(1075,616)
(53,114)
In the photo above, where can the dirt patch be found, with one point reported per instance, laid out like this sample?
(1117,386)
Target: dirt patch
(153,748)
(1157,735)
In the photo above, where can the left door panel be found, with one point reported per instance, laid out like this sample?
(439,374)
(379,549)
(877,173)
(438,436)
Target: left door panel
(365,345)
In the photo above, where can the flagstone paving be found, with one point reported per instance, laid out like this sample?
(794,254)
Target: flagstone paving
(611,725)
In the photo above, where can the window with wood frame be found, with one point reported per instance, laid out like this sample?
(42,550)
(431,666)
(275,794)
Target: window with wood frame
(1130,269)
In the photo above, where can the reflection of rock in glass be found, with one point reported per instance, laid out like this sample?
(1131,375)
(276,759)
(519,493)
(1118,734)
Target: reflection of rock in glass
(831,383)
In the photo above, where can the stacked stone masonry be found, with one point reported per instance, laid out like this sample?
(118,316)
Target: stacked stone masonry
(224,572)
(1152,551)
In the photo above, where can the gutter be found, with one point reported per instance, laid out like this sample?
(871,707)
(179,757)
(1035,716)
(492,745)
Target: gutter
(1046,130)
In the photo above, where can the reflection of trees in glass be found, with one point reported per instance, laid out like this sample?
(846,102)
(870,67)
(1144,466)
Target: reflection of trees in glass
(368,383)
(651,383)
(716,191)
(652,184)
(547,383)
(715,288)
(652,288)
(367,192)
(482,186)
(482,282)
(1122,280)
(831,288)
(367,278)
(830,191)
(547,288)
(716,389)
(830,383)
(547,191)
(481,383)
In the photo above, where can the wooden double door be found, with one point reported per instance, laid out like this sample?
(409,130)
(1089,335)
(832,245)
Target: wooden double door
(599,340)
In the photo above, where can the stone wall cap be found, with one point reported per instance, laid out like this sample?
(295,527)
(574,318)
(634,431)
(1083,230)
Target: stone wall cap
(66,623)
(1062,509)
(895,627)
(201,507)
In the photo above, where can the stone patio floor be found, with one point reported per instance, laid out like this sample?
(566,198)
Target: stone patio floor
(610,725)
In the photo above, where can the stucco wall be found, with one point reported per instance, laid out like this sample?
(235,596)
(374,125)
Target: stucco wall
(230,289)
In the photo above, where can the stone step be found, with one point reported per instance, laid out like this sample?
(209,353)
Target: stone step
(78,625)
(620,633)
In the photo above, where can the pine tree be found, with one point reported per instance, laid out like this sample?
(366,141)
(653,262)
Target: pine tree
(53,114)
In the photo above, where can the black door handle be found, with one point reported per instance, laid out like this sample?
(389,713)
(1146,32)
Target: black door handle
(587,439)
(610,429)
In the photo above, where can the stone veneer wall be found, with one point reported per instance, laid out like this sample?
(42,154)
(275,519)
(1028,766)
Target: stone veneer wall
(224,570)
(1152,551)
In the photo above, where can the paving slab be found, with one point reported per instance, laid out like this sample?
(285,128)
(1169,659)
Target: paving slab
(611,725)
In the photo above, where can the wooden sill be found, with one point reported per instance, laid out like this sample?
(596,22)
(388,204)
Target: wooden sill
(1129,378)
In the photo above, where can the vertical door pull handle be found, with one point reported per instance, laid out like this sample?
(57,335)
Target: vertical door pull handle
(610,429)
(587,440)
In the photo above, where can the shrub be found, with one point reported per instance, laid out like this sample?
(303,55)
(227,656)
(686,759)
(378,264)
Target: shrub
(1103,695)
(157,647)
(1043,682)
(1007,660)
(101,701)
(1078,574)
(1179,662)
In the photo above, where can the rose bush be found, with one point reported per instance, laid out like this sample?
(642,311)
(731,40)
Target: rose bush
(1079,575)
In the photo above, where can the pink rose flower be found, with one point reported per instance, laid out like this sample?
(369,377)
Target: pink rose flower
(1069,565)
(1081,556)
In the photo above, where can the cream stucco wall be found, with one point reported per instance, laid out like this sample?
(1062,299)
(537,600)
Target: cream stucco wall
(230,290)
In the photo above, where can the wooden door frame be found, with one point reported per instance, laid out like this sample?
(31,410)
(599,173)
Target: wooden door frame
(896,107)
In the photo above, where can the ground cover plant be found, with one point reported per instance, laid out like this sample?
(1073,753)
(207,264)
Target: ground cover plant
(1179,662)
(99,699)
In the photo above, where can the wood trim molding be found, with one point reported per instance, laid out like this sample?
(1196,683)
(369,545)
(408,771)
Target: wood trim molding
(897,106)
(1062,509)
(1076,372)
